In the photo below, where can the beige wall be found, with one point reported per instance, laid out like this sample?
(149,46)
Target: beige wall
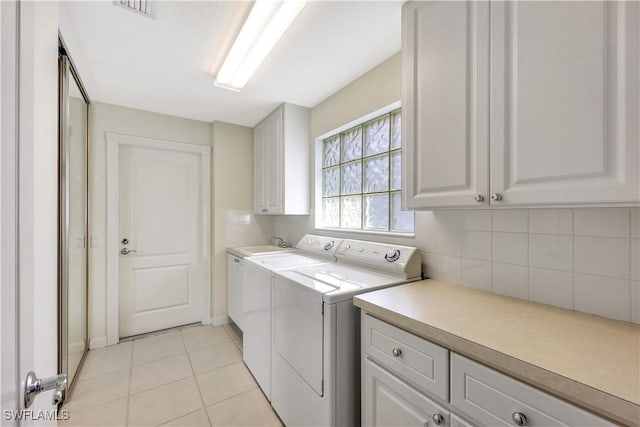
(234,222)
(373,90)
(113,118)
(376,89)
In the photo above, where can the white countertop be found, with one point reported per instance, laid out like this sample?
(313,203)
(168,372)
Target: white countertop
(587,360)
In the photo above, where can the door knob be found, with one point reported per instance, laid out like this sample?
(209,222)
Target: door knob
(126,251)
(33,386)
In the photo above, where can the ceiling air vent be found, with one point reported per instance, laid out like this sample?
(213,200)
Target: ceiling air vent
(143,7)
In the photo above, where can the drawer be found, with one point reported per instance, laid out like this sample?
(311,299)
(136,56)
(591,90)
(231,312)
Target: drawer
(492,398)
(417,360)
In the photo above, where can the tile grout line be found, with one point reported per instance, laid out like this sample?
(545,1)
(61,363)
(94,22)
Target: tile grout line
(195,379)
(126,419)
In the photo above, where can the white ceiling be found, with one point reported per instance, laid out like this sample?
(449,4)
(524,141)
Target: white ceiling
(163,64)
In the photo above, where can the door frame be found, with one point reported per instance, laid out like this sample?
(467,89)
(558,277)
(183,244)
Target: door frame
(114,142)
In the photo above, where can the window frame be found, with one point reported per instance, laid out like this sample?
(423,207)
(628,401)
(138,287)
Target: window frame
(318,168)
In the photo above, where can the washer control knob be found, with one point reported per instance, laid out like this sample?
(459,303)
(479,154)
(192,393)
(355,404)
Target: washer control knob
(329,245)
(392,255)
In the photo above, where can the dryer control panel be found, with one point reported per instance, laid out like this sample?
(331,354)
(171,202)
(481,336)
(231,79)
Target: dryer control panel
(402,261)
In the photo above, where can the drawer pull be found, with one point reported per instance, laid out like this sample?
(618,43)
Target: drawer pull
(519,419)
(438,419)
(396,352)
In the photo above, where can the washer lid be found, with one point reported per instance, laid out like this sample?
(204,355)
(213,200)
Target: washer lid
(275,262)
(341,283)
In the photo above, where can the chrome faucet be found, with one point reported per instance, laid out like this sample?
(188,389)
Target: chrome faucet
(279,241)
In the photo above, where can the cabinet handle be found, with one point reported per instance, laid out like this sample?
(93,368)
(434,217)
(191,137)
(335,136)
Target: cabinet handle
(496,197)
(478,198)
(236,260)
(438,419)
(264,210)
(519,419)
(396,352)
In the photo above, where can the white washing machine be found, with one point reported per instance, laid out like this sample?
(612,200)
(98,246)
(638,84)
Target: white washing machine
(256,301)
(316,331)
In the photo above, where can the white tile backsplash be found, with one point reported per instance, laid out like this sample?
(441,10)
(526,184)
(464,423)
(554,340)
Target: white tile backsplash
(635,223)
(476,245)
(476,220)
(602,256)
(551,287)
(449,268)
(536,254)
(510,248)
(612,222)
(512,280)
(603,296)
(551,221)
(551,251)
(514,221)
(635,301)
(635,259)
(476,274)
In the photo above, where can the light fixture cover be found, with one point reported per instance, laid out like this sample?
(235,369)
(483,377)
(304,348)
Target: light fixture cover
(264,26)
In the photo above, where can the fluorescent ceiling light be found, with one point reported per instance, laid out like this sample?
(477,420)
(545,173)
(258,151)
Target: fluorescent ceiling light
(267,21)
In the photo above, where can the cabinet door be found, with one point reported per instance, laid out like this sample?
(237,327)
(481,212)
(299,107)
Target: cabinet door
(389,401)
(564,102)
(259,171)
(234,285)
(256,325)
(274,163)
(445,105)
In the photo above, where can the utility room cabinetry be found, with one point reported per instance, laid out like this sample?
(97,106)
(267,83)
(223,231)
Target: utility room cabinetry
(234,288)
(281,162)
(520,103)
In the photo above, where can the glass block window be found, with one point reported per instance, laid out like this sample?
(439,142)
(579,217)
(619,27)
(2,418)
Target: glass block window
(361,178)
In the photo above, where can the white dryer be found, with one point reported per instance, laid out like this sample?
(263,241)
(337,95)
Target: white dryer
(256,301)
(315,359)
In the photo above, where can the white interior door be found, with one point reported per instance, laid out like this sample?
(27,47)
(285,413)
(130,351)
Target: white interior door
(161,278)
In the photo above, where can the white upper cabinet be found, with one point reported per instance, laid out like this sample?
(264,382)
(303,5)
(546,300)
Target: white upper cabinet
(281,162)
(560,124)
(445,117)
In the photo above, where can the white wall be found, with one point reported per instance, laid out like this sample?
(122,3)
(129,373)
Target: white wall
(112,118)
(232,210)
(584,259)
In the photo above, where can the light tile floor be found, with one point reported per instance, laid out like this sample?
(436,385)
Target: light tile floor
(188,377)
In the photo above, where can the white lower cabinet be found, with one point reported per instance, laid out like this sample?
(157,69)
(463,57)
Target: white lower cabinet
(256,325)
(404,376)
(234,289)
(389,401)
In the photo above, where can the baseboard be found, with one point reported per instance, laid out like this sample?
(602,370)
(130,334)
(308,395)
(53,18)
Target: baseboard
(219,321)
(76,347)
(98,342)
